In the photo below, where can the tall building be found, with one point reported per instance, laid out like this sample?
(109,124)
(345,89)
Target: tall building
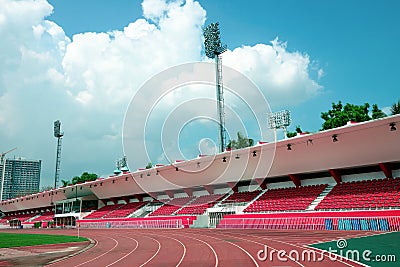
(22,177)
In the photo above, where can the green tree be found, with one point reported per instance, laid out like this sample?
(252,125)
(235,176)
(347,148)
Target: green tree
(65,182)
(377,113)
(88,177)
(84,178)
(293,134)
(75,179)
(241,142)
(395,109)
(149,165)
(339,115)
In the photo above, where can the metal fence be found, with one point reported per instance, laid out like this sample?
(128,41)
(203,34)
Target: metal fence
(137,224)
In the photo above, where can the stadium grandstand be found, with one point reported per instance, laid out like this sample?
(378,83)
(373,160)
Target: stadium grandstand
(345,178)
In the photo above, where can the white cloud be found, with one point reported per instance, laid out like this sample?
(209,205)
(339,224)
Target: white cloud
(207,147)
(87,82)
(321,73)
(283,76)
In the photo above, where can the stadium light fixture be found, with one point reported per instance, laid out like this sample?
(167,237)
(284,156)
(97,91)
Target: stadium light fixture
(59,135)
(214,49)
(334,138)
(289,146)
(279,120)
(392,126)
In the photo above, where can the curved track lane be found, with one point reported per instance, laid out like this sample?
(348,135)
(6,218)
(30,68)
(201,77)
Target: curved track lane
(197,247)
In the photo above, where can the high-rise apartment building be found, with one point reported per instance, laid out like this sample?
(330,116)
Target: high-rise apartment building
(21,177)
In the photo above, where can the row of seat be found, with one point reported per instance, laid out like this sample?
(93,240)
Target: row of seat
(46,216)
(172,206)
(383,193)
(241,197)
(286,199)
(125,210)
(367,194)
(103,211)
(201,204)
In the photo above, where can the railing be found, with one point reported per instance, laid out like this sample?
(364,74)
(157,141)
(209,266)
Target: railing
(314,223)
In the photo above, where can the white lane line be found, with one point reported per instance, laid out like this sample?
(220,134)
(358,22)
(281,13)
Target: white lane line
(204,242)
(101,255)
(152,257)
(184,247)
(245,251)
(184,250)
(340,259)
(137,244)
(287,256)
(96,242)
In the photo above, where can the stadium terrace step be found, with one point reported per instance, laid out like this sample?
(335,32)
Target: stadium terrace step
(320,197)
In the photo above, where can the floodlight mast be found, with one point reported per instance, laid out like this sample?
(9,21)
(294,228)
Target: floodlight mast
(279,120)
(3,170)
(214,49)
(58,134)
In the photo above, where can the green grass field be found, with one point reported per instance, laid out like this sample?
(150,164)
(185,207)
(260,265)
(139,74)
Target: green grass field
(378,250)
(9,240)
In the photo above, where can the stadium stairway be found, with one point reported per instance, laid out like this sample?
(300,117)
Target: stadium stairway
(33,218)
(141,212)
(186,205)
(201,221)
(320,197)
(257,197)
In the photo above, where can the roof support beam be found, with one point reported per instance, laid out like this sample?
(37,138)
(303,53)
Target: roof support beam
(234,186)
(209,188)
(126,199)
(139,197)
(170,193)
(188,191)
(387,170)
(295,179)
(262,182)
(336,175)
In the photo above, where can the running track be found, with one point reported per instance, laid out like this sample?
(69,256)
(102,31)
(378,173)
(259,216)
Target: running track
(200,247)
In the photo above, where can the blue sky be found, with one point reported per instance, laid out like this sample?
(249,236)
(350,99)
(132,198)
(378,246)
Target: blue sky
(82,61)
(354,42)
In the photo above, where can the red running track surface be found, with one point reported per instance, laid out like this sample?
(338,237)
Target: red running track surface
(199,247)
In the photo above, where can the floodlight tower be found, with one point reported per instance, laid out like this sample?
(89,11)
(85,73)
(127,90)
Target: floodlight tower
(58,134)
(3,170)
(214,49)
(279,120)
